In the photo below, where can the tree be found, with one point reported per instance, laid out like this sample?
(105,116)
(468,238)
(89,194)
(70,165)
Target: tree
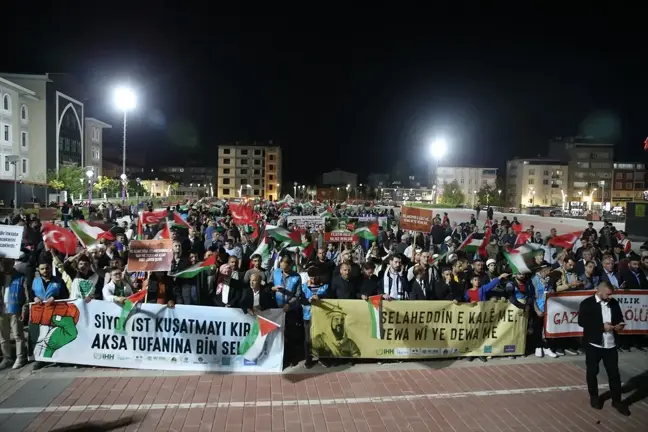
(106,185)
(487,196)
(67,178)
(452,194)
(134,189)
(173,188)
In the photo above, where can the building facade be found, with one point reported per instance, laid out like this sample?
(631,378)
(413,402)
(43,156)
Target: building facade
(340,178)
(93,148)
(469,179)
(590,168)
(536,182)
(252,170)
(629,183)
(43,125)
(191,175)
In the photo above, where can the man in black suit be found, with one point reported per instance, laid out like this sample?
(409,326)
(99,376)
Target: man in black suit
(634,278)
(601,318)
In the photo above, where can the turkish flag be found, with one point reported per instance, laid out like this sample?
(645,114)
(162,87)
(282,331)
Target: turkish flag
(154,217)
(567,240)
(61,239)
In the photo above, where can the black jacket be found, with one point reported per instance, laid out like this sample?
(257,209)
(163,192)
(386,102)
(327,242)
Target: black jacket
(634,281)
(444,291)
(267,299)
(590,318)
(342,289)
(417,291)
(369,286)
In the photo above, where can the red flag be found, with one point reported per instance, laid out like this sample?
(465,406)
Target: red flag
(522,238)
(138,296)
(154,217)
(163,234)
(242,214)
(482,248)
(517,228)
(646,144)
(140,229)
(567,240)
(61,239)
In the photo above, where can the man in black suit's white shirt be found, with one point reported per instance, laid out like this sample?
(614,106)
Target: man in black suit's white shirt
(601,319)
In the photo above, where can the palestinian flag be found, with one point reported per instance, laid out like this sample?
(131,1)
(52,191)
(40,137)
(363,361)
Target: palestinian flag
(282,235)
(521,260)
(375,312)
(86,233)
(163,234)
(327,213)
(367,232)
(130,303)
(470,245)
(178,221)
(192,271)
(252,346)
(522,238)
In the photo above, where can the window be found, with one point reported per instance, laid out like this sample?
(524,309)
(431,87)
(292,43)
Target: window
(256,182)
(257,172)
(545,182)
(244,182)
(226,192)
(271,167)
(6,134)
(531,181)
(257,161)
(628,185)
(257,152)
(243,172)
(244,162)
(618,185)
(244,152)
(271,157)
(95,153)
(461,181)
(96,134)
(629,176)
(531,172)
(270,177)
(270,187)
(618,176)
(226,151)
(23,140)
(24,114)
(469,181)
(226,161)
(24,166)
(6,103)
(546,172)
(256,191)
(226,170)
(7,165)
(226,181)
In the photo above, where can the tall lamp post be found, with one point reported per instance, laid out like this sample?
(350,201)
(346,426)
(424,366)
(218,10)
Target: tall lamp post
(89,174)
(125,101)
(348,188)
(138,181)
(602,184)
(13,160)
(438,149)
(295,189)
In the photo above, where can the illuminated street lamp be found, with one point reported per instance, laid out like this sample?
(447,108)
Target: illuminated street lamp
(438,149)
(89,174)
(241,189)
(125,101)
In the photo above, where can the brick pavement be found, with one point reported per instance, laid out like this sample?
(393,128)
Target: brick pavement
(528,395)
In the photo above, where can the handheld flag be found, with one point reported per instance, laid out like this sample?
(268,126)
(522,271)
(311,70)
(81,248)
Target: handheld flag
(252,346)
(192,271)
(375,312)
(130,303)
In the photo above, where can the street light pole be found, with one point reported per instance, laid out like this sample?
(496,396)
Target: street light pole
(13,160)
(89,174)
(125,101)
(124,162)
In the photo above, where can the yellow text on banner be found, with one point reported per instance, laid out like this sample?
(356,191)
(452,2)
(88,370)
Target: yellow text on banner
(417,329)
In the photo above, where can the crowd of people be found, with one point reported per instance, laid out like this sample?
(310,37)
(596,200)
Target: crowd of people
(254,270)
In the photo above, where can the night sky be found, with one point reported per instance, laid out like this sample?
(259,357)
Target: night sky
(355,90)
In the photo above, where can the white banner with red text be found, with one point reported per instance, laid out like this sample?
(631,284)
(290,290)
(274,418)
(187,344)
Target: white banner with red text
(189,338)
(561,312)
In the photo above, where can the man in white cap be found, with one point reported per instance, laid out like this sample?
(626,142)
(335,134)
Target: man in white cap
(447,246)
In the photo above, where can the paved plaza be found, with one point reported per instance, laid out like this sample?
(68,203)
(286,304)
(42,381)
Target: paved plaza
(526,394)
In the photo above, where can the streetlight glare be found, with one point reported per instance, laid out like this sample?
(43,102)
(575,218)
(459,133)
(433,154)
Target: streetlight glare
(125,98)
(438,148)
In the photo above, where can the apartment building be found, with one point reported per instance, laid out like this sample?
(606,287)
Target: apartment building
(249,170)
(590,168)
(536,182)
(629,183)
(470,179)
